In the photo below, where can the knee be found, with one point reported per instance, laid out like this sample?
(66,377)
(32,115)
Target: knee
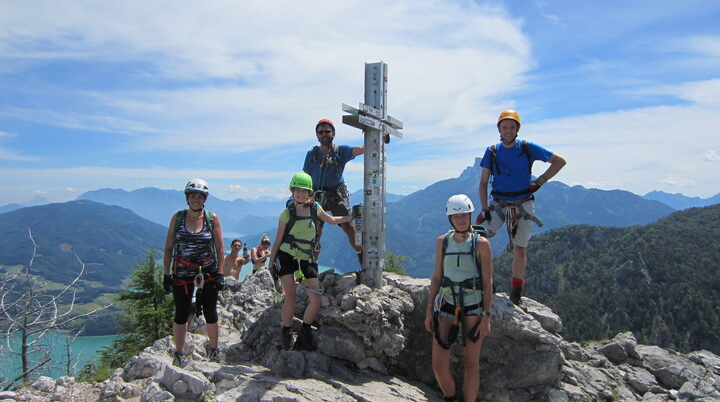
(471,366)
(290,298)
(315,300)
(440,367)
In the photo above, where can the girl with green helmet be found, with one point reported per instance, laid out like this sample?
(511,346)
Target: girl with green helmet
(293,250)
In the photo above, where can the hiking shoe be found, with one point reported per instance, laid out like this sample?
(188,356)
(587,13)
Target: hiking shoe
(304,341)
(515,296)
(287,340)
(178,358)
(214,355)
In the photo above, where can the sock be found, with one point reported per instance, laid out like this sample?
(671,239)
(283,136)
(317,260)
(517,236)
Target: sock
(286,329)
(517,282)
(306,327)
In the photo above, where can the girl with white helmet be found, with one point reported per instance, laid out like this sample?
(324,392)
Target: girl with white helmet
(460,297)
(194,255)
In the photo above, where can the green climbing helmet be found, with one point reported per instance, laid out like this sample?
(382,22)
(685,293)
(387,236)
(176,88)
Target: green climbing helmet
(301,180)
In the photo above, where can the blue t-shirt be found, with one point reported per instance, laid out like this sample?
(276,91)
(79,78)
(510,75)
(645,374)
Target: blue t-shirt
(329,175)
(511,170)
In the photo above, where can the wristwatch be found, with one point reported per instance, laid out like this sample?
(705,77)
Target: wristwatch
(487,314)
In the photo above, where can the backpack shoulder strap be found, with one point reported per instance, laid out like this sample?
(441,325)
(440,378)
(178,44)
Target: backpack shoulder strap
(526,151)
(494,166)
(292,217)
(444,248)
(315,151)
(179,215)
(314,214)
(211,226)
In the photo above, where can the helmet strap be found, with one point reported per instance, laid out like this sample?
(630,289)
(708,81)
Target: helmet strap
(195,210)
(508,143)
(462,232)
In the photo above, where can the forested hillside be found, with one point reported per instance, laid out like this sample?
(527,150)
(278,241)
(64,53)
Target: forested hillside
(110,240)
(661,280)
(417,220)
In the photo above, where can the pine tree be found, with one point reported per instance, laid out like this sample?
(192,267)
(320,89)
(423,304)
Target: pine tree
(146,313)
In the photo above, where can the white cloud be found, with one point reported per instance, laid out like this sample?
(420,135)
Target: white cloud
(707,45)
(679,181)
(711,155)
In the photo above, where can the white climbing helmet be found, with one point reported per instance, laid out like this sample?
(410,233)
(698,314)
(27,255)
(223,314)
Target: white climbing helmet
(459,204)
(197,186)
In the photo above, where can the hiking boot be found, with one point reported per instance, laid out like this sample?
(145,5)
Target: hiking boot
(515,296)
(287,339)
(178,358)
(304,340)
(214,355)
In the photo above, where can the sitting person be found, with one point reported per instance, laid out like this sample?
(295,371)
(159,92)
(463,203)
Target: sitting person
(234,262)
(260,253)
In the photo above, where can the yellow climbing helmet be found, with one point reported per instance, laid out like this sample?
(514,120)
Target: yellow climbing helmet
(509,114)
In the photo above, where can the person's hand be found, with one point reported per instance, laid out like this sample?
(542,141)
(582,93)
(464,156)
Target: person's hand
(483,216)
(219,282)
(429,322)
(484,328)
(167,283)
(537,183)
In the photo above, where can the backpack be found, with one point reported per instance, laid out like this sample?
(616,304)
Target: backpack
(292,219)
(493,156)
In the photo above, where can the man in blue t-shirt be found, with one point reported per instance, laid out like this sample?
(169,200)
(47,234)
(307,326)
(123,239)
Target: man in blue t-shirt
(510,163)
(325,163)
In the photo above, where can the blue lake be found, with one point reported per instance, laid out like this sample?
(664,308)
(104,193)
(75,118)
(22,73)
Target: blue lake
(82,351)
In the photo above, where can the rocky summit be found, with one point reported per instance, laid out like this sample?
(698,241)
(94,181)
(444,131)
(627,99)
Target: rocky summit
(371,345)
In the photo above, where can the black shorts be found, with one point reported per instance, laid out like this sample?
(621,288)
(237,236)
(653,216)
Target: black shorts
(335,201)
(288,265)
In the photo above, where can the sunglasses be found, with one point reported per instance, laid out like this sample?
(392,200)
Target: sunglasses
(324,131)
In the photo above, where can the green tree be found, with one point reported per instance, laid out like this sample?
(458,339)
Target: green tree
(394,263)
(146,313)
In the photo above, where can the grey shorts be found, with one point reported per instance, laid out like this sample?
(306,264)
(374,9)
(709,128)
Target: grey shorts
(524,226)
(475,311)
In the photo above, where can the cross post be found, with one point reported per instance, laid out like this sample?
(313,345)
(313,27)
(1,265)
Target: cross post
(372,118)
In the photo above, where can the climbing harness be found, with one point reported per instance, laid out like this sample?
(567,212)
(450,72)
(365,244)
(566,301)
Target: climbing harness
(511,212)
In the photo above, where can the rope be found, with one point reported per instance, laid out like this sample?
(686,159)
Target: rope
(511,224)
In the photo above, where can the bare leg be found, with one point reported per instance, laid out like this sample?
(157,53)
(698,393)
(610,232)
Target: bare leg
(471,362)
(349,229)
(441,360)
(519,262)
(288,308)
(314,302)
(179,331)
(213,331)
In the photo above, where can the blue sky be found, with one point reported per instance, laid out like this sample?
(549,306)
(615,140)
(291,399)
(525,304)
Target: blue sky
(133,94)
